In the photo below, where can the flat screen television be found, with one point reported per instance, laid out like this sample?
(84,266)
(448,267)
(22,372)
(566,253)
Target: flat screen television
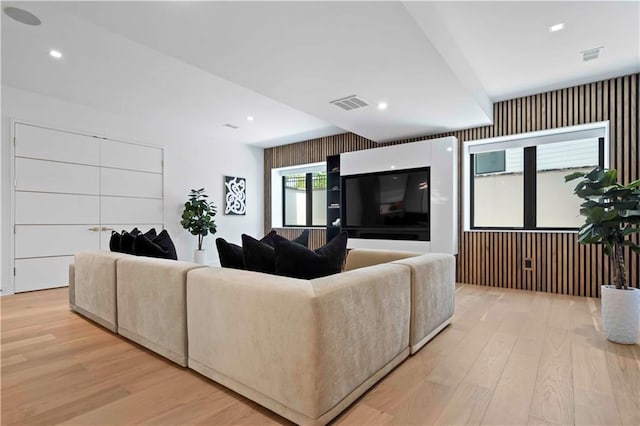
(387,205)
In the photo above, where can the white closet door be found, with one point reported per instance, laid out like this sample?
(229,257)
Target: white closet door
(54,145)
(70,190)
(40,208)
(127,210)
(55,240)
(39,273)
(129,156)
(49,176)
(127,183)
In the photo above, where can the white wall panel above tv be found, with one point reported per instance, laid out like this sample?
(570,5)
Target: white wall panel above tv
(388,158)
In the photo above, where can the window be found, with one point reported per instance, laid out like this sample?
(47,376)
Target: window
(518,183)
(304,201)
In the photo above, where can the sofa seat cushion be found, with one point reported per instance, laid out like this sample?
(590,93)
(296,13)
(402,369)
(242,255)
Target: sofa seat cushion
(361,258)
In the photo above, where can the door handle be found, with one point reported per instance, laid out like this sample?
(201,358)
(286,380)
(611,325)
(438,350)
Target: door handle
(106,228)
(94,229)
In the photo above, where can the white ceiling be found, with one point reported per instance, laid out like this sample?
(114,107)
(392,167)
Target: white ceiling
(513,53)
(438,65)
(106,71)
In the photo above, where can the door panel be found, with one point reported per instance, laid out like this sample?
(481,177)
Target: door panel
(47,176)
(47,144)
(129,156)
(127,183)
(37,208)
(54,240)
(131,210)
(37,274)
(70,191)
(105,236)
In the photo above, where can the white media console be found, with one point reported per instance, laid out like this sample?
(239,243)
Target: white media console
(441,156)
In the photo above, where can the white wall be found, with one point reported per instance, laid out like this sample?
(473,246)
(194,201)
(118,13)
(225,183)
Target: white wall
(191,161)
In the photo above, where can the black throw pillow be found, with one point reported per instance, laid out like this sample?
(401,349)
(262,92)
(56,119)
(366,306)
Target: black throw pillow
(230,254)
(161,246)
(302,239)
(257,255)
(127,239)
(295,261)
(114,241)
(151,233)
(270,238)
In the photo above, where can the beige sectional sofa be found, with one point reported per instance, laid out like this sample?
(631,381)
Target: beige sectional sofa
(305,349)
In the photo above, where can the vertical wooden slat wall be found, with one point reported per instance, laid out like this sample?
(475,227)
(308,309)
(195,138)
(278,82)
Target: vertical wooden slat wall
(560,265)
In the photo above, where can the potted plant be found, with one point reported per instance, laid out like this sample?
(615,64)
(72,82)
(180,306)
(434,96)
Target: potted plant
(197,218)
(612,213)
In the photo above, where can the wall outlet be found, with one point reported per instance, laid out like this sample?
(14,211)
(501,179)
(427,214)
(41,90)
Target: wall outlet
(528,263)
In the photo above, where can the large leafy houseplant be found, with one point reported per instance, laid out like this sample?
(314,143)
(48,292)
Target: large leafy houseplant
(612,213)
(198,214)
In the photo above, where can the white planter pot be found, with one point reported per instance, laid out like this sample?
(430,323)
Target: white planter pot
(621,314)
(200,256)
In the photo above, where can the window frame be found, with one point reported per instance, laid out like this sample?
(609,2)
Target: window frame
(309,202)
(529,181)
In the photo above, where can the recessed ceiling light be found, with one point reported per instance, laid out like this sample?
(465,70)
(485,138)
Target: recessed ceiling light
(21,16)
(556,27)
(249,117)
(55,54)
(382,105)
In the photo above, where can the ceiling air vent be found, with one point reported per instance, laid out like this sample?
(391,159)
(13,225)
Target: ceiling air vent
(590,54)
(349,103)
(231,126)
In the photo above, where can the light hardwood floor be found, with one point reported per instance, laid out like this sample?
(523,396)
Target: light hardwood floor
(510,357)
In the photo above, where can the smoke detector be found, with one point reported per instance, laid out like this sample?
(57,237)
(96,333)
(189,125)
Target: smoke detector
(22,16)
(591,54)
(349,103)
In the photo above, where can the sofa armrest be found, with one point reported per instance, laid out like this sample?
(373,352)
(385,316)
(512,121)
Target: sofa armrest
(95,286)
(433,287)
(297,347)
(361,258)
(152,304)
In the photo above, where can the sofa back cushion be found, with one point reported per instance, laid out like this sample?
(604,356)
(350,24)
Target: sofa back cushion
(361,258)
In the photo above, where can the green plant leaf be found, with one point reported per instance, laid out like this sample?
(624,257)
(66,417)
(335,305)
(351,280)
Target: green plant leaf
(573,176)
